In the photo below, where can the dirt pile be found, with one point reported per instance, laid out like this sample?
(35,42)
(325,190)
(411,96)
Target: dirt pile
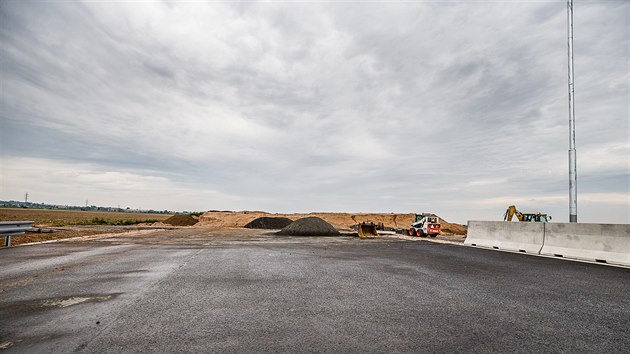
(311,226)
(455,229)
(266,222)
(222,219)
(341,221)
(181,220)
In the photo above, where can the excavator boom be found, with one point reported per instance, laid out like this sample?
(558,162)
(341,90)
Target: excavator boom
(510,212)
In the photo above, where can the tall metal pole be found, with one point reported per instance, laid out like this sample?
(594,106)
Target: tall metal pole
(572,156)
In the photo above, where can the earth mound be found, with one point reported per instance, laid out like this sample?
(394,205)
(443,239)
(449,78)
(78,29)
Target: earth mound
(181,220)
(273,223)
(310,226)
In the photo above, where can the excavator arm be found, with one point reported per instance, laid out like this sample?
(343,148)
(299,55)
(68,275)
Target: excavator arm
(510,212)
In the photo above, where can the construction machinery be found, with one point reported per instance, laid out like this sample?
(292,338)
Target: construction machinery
(425,225)
(537,217)
(368,229)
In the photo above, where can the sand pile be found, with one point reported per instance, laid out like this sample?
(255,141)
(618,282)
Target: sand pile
(341,221)
(269,223)
(456,229)
(181,220)
(311,226)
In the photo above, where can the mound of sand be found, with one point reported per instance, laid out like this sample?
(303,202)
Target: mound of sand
(341,221)
(181,220)
(266,222)
(311,226)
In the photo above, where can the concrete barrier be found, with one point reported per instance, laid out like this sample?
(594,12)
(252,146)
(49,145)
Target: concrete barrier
(511,236)
(609,243)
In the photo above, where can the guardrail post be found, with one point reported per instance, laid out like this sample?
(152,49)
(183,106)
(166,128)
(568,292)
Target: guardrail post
(13,228)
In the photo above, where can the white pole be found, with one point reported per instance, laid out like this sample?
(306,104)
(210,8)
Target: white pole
(572,156)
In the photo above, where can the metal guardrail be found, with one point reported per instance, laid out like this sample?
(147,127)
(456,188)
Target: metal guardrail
(13,228)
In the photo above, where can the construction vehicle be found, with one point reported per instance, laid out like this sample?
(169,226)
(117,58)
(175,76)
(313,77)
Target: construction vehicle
(537,217)
(425,225)
(368,229)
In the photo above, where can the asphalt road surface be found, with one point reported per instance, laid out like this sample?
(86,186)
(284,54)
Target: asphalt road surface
(190,290)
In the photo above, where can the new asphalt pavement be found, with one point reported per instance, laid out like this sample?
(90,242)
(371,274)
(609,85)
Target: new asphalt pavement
(193,290)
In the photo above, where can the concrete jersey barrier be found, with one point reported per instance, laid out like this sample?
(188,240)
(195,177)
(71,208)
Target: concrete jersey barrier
(608,243)
(511,236)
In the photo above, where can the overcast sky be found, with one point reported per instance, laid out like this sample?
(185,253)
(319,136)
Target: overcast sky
(457,108)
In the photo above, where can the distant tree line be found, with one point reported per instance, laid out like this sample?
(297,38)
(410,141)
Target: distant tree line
(31,205)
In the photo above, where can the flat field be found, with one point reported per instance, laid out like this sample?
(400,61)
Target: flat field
(57,218)
(73,223)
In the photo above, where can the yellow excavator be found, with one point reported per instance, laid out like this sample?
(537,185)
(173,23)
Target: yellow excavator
(537,217)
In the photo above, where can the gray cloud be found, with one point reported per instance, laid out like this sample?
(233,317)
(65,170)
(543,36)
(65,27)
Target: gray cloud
(457,108)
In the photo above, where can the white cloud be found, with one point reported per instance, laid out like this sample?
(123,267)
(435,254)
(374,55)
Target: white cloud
(73,183)
(447,107)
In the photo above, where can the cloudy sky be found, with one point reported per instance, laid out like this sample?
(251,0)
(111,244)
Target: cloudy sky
(458,108)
